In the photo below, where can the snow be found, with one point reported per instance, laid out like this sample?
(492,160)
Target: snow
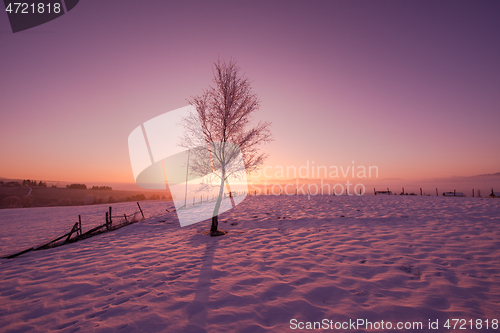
(391,258)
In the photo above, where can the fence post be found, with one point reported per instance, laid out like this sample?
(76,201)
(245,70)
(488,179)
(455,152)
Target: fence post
(420,191)
(79,225)
(140,210)
(107,220)
(110,221)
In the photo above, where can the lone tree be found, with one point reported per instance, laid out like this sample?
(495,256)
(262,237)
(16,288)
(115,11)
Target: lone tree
(220,129)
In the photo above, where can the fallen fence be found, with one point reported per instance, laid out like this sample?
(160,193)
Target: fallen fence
(120,221)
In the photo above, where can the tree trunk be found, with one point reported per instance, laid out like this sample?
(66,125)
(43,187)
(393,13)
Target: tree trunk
(215,224)
(215,217)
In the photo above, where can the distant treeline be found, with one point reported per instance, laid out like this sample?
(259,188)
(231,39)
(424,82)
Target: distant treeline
(107,188)
(77,186)
(84,187)
(26,182)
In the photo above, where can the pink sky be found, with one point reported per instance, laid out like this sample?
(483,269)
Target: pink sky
(411,87)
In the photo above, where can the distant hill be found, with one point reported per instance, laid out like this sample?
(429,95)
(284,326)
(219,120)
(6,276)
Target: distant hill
(22,196)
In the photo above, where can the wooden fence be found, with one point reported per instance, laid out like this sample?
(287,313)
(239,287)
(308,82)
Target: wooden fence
(76,230)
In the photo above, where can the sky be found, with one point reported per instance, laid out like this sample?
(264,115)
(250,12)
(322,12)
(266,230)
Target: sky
(408,86)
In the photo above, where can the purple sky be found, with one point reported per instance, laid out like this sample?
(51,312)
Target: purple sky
(411,87)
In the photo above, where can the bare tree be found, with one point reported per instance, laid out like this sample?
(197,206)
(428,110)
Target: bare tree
(219,133)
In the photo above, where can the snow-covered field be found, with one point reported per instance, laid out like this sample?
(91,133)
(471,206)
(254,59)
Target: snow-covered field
(285,261)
